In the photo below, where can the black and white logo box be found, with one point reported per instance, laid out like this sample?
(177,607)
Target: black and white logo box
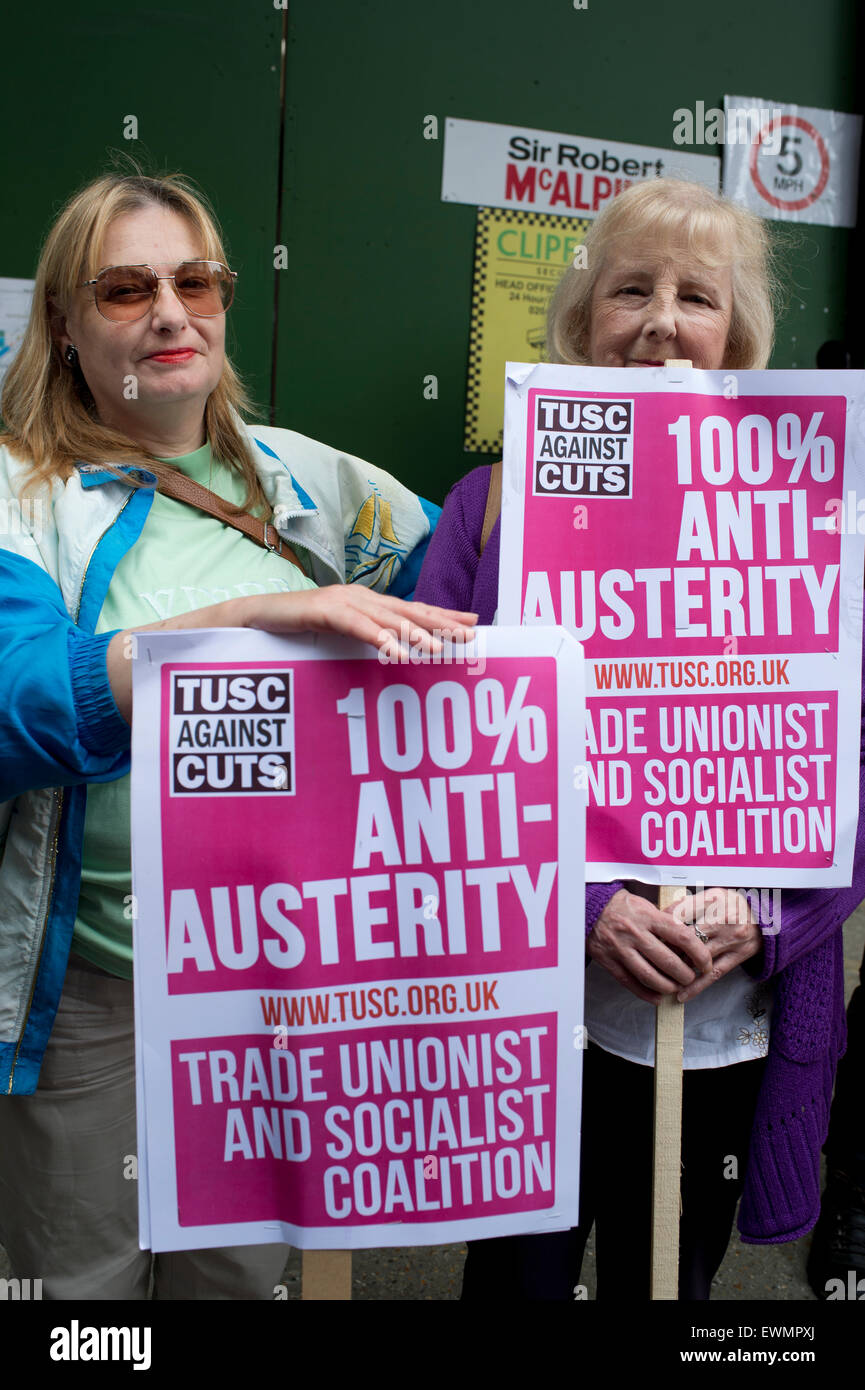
(231,731)
(583,447)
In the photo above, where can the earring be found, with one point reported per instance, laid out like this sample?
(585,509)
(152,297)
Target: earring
(71,355)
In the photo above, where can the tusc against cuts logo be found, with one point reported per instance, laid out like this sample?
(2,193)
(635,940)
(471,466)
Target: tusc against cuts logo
(231,732)
(583,448)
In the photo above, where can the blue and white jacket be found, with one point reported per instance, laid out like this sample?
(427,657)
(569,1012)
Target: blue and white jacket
(59,725)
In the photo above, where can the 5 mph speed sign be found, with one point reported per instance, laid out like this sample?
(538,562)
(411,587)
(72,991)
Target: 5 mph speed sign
(800,167)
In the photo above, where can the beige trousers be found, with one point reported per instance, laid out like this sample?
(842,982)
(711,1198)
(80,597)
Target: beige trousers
(68,1200)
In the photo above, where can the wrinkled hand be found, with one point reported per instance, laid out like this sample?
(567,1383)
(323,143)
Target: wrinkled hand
(352,610)
(734,934)
(651,953)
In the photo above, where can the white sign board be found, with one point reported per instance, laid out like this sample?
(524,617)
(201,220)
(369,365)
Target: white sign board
(502,166)
(358,984)
(15,299)
(803,168)
(705,550)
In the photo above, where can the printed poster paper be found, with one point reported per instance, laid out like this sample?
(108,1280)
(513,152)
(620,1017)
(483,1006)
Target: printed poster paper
(15,299)
(519,259)
(359,939)
(502,166)
(699,533)
(804,167)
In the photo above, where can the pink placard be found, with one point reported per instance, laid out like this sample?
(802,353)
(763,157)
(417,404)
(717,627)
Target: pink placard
(360,973)
(666,516)
(455,1119)
(302,886)
(703,545)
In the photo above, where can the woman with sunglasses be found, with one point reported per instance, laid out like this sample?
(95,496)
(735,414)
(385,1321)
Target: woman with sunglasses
(121,383)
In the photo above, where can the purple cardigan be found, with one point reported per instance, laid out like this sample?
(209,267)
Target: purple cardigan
(781,1199)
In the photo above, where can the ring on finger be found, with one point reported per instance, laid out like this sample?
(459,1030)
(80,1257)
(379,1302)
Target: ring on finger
(702,935)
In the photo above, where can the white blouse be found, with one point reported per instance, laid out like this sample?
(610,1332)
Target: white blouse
(727,1023)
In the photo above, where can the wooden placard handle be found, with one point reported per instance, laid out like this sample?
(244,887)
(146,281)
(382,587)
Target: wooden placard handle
(667,1148)
(326,1275)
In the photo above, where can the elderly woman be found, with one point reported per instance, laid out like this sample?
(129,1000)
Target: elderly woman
(674,271)
(122,382)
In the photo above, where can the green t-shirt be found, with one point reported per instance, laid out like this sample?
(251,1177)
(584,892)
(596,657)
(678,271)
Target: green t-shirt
(183,560)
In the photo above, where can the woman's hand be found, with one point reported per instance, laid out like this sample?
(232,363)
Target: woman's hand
(351,610)
(651,953)
(725,917)
(355,611)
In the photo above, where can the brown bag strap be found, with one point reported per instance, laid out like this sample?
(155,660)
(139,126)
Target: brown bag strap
(494,504)
(183,489)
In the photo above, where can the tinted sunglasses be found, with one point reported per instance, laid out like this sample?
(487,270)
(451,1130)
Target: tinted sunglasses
(124,293)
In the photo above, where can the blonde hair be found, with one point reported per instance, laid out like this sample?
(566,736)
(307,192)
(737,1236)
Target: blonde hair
(712,229)
(47,409)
